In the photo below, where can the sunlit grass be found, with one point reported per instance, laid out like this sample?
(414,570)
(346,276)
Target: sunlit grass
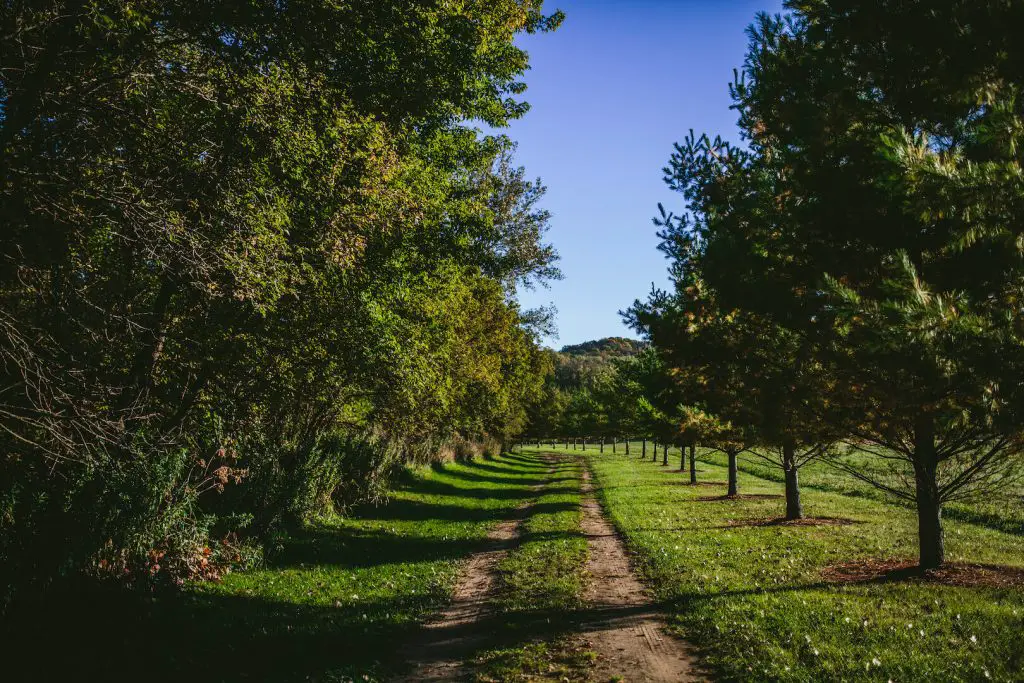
(546,570)
(754,599)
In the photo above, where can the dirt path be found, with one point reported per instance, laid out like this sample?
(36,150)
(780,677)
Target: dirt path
(619,621)
(441,650)
(628,634)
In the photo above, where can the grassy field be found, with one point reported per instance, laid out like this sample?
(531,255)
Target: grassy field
(340,600)
(754,598)
(1004,511)
(335,604)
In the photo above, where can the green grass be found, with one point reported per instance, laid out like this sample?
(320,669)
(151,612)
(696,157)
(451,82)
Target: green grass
(546,570)
(536,661)
(336,604)
(542,584)
(342,598)
(1004,511)
(753,597)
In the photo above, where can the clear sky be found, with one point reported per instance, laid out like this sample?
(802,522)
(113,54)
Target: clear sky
(610,91)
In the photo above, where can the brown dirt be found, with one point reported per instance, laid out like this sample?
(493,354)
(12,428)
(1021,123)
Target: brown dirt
(627,633)
(740,496)
(439,652)
(806,521)
(714,484)
(951,574)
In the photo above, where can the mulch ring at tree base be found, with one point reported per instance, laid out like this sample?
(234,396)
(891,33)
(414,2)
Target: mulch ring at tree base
(741,496)
(805,521)
(950,574)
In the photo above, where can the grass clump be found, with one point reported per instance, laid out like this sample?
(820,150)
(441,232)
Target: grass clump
(537,661)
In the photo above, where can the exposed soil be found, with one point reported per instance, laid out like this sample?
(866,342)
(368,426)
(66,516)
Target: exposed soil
(440,651)
(626,632)
(740,496)
(715,484)
(951,574)
(806,521)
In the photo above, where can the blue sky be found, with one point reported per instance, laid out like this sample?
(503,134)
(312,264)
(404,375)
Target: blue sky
(610,91)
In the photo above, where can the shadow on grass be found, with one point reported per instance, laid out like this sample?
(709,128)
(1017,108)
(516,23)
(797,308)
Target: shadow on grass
(739,496)
(484,478)
(112,636)
(783,522)
(441,488)
(85,632)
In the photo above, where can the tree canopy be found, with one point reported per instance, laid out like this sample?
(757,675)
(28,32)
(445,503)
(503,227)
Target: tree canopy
(255,248)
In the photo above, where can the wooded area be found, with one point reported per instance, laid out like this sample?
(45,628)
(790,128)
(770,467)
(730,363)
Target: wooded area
(253,260)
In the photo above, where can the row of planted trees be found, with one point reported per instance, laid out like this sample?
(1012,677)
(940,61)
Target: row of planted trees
(853,273)
(848,282)
(252,258)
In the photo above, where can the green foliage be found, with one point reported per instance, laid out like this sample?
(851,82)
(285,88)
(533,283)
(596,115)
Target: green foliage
(609,347)
(251,255)
(584,396)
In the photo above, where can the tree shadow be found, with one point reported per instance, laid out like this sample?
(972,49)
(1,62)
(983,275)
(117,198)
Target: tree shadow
(110,635)
(361,549)
(85,630)
(519,468)
(505,481)
(783,522)
(442,488)
(415,511)
(739,496)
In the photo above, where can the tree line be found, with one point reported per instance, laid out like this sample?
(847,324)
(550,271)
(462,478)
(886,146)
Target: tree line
(847,279)
(253,257)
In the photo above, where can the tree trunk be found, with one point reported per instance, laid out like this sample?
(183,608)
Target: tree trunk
(613,444)
(643,449)
(151,349)
(733,474)
(929,505)
(584,444)
(664,456)
(627,445)
(693,463)
(793,508)
(682,458)
(601,449)
(654,458)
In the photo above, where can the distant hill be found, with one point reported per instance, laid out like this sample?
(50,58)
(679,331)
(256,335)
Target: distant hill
(609,347)
(579,365)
